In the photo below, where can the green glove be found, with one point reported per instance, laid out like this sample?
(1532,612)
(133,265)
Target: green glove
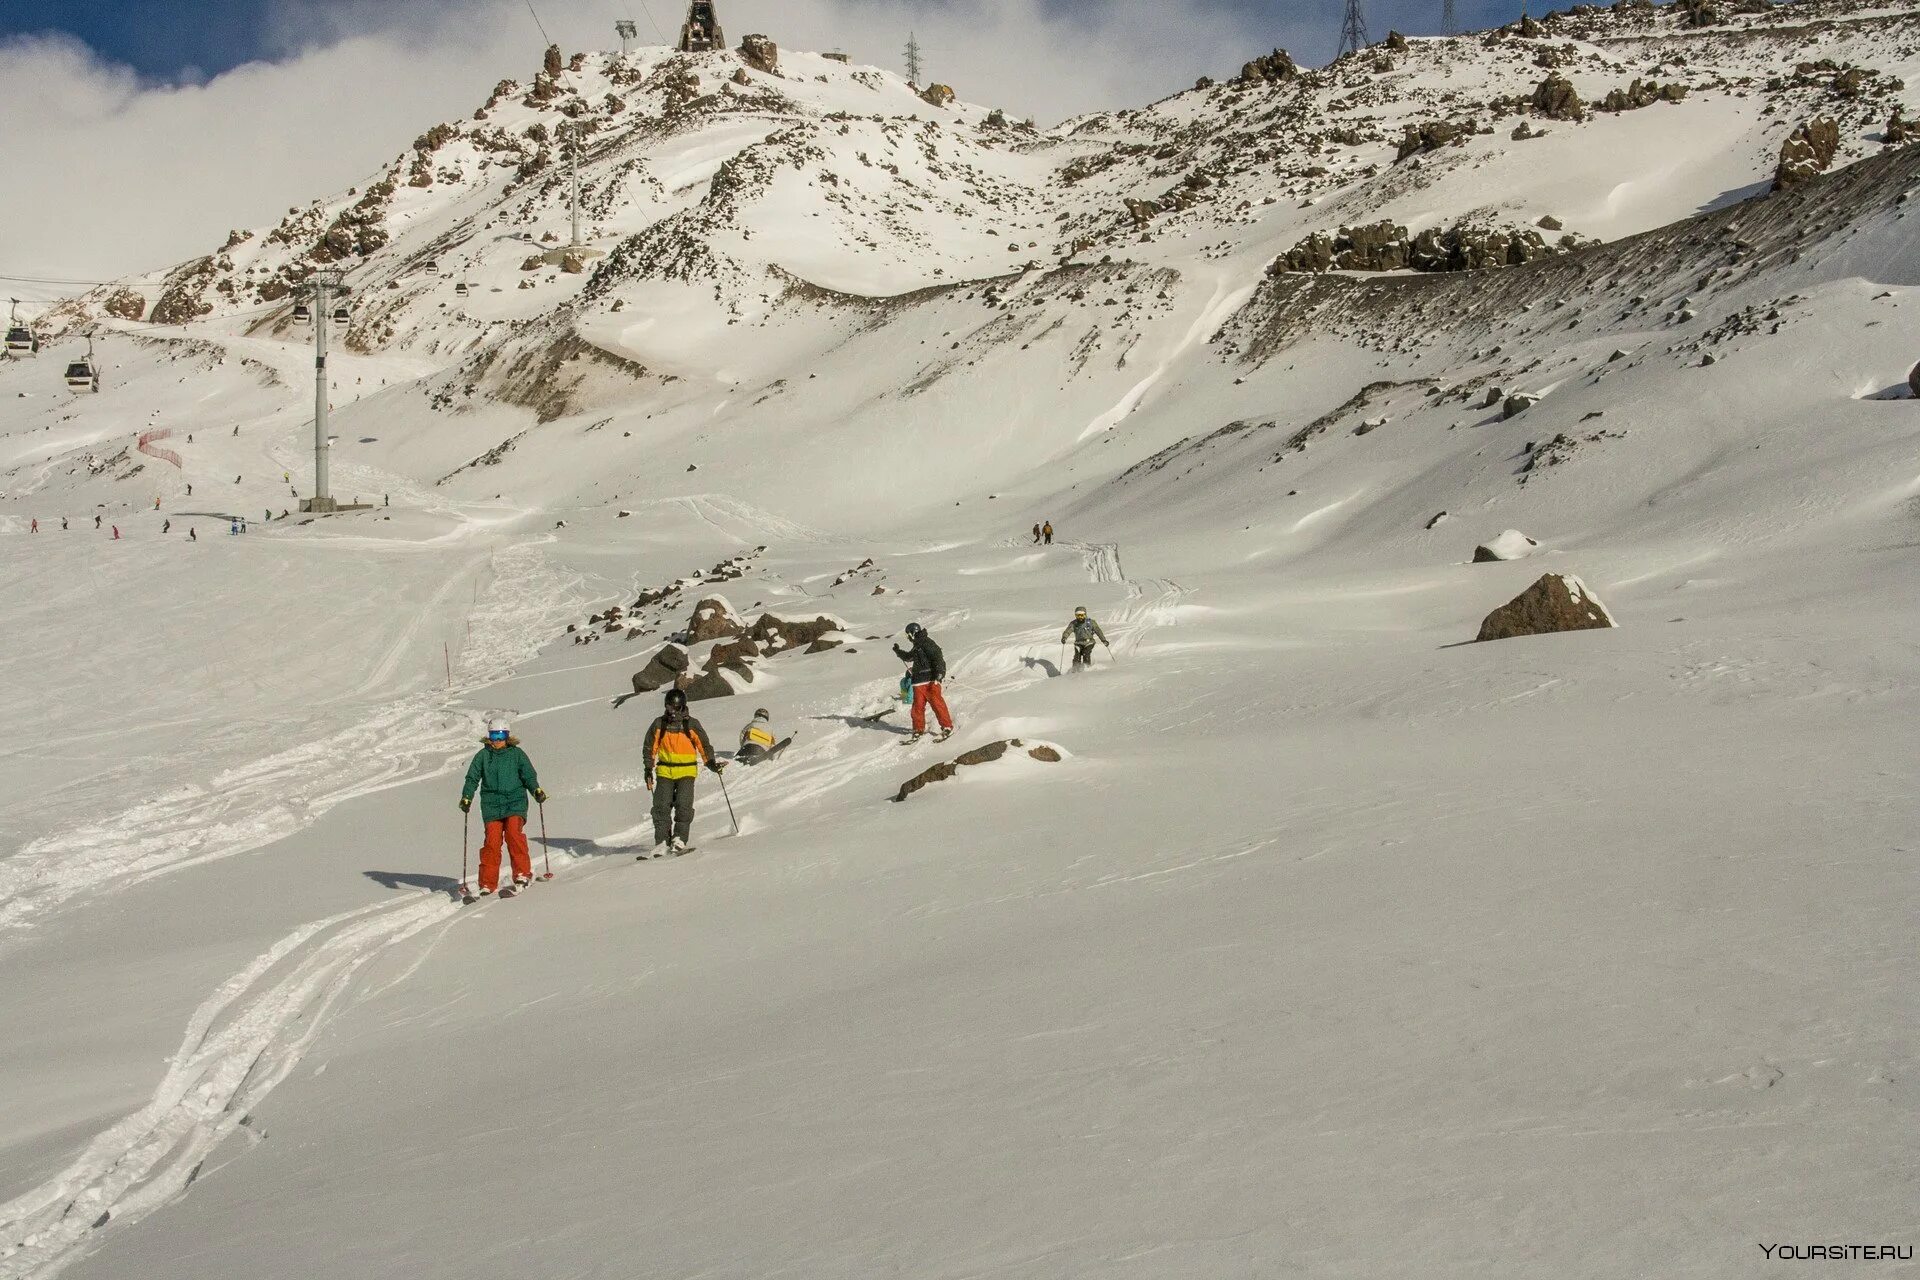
(466,803)
(540,795)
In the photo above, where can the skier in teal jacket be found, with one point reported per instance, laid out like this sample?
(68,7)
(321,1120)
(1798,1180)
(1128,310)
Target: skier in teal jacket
(502,775)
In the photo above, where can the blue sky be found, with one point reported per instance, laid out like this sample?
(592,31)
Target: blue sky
(172,40)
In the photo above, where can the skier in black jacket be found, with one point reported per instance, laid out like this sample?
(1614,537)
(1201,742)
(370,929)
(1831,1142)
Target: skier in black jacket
(929,669)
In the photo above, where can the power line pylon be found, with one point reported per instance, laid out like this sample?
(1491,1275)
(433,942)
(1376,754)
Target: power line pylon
(1449,20)
(914,64)
(1353,30)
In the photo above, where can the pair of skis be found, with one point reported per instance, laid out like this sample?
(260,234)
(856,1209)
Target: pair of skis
(467,896)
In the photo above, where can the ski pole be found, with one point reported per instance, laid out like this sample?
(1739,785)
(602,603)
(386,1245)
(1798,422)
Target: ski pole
(546,850)
(466,836)
(721,774)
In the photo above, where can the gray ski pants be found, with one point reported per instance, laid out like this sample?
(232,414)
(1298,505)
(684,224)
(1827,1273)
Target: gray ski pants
(672,808)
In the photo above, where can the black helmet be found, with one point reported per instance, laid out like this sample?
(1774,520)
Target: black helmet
(676,699)
(914,628)
(763,714)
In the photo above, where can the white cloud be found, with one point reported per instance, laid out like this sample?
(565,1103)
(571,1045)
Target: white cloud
(111,176)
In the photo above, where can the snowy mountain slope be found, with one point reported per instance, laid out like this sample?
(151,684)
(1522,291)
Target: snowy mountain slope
(1330,943)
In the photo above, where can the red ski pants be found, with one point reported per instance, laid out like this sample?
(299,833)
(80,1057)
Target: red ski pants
(514,828)
(929,695)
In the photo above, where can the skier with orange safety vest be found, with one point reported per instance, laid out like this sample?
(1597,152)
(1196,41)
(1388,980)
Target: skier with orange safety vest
(676,747)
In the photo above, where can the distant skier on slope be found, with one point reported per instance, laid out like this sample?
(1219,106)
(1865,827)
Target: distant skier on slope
(676,745)
(757,741)
(929,668)
(1084,632)
(1046,531)
(502,775)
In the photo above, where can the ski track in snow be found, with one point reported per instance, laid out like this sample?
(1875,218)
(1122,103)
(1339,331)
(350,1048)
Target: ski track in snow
(269,798)
(240,1043)
(245,1037)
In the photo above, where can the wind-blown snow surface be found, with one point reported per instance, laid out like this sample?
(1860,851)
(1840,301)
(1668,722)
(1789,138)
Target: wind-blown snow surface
(1333,946)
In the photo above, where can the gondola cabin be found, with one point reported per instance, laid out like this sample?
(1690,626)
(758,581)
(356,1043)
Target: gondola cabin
(82,376)
(302,313)
(21,341)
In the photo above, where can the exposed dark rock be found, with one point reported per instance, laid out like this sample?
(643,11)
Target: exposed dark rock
(733,653)
(126,304)
(1548,222)
(937,95)
(1899,129)
(1555,99)
(761,54)
(777,635)
(661,670)
(1396,42)
(978,756)
(553,64)
(1807,152)
(712,620)
(1429,135)
(710,685)
(1913,382)
(1557,602)
(1518,403)
(1275,68)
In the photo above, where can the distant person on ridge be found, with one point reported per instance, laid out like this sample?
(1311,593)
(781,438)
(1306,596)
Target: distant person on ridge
(1047,531)
(757,740)
(928,669)
(1084,632)
(676,745)
(1036,535)
(502,775)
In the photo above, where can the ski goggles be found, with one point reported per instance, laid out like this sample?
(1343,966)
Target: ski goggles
(496,735)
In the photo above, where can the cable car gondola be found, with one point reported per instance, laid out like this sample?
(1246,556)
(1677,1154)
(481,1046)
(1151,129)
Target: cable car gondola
(21,340)
(460,290)
(340,316)
(83,374)
(302,313)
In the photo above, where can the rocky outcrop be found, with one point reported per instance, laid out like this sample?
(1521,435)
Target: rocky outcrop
(183,297)
(777,635)
(125,304)
(1807,152)
(713,619)
(664,668)
(1511,545)
(1518,403)
(1044,752)
(732,654)
(1430,135)
(1641,93)
(761,54)
(1913,382)
(713,684)
(1557,602)
(1142,211)
(552,64)
(938,95)
(1386,246)
(1900,130)
(1275,68)
(1555,99)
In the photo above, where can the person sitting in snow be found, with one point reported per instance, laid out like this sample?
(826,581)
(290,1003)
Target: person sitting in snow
(502,775)
(757,740)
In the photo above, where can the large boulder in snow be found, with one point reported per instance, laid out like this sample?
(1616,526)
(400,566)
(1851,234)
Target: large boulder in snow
(1518,403)
(714,619)
(761,54)
(1275,68)
(1913,382)
(1043,752)
(1557,602)
(1511,545)
(1556,99)
(733,654)
(661,671)
(777,635)
(938,95)
(714,684)
(1807,152)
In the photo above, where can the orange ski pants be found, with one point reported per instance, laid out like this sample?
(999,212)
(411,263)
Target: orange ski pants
(514,828)
(929,695)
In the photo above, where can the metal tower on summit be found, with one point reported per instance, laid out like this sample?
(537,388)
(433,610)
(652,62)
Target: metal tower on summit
(1353,30)
(701,31)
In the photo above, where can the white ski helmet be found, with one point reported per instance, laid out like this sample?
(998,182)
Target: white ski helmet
(497,726)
